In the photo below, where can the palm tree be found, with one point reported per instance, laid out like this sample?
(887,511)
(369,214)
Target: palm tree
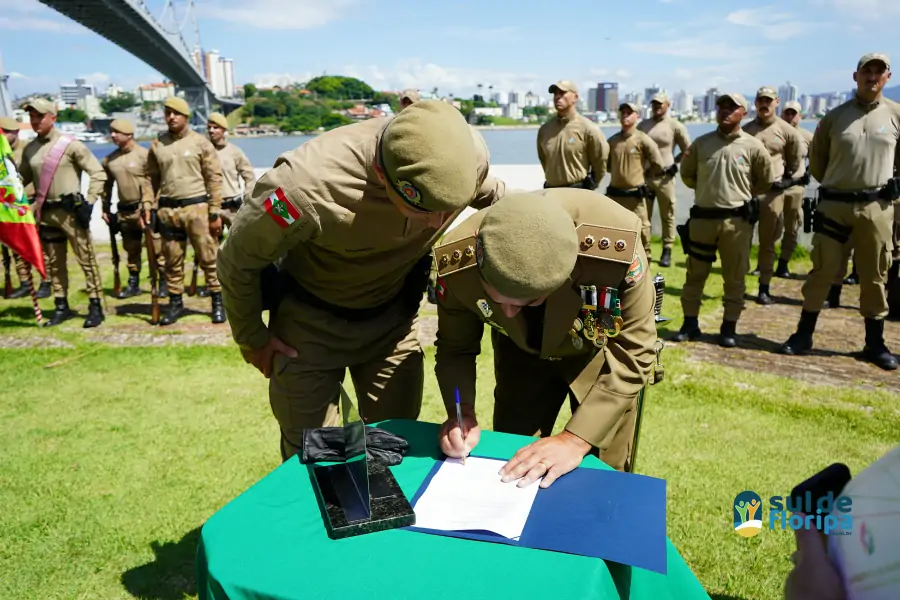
(434,92)
(480,86)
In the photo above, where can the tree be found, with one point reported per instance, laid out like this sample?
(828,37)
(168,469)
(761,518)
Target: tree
(330,121)
(249,90)
(71,115)
(337,87)
(121,103)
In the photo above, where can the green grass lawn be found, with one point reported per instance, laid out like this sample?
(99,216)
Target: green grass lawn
(113,460)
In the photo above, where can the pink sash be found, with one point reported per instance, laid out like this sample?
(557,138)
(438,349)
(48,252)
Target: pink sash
(48,169)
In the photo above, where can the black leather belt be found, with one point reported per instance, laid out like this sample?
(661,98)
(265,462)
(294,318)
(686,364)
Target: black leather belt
(123,208)
(638,192)
(175,203)
(234,203)
(711,212)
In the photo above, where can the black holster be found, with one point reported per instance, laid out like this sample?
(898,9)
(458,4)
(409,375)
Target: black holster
(80,207)
(702,252)
(114,224)
(833,229)
(809,212)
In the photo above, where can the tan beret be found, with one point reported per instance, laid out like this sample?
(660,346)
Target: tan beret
(179,105)
(429,157)
(219,119)
(526,246)
(122,126)
(873,56)
(563,85)
(734,97)
(9,124)
(42,106)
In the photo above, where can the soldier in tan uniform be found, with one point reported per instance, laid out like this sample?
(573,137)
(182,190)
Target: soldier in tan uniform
(65,215)
(853,156)
(187,176)
(346,224)
(667,133)
(561,278)
(126,167)
(407,97)
(629,150)
(11,129)
(793,195)
(785,147)
(727,168)
(572,149)
(235,167)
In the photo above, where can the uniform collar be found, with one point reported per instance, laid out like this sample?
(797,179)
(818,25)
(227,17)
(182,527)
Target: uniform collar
(867,105)
(179,136)
(568,119)
(54,133)
(731,136)
(221,145)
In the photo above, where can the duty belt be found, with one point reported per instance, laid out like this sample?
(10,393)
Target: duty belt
(174,203)
(123,208)
(234,203)
(638,192)
(890,191)
(588,183)
(705,212)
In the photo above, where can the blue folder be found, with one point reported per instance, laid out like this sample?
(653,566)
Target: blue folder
(604,514)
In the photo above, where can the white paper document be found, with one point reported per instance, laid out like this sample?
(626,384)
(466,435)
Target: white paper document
(471,496)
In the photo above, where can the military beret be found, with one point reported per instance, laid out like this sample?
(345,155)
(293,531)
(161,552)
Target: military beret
(219,119)
(734,97)
(42,106)
(873,56)
(9,124)
(526,246)
(122,126)
(429,157)
(179,105)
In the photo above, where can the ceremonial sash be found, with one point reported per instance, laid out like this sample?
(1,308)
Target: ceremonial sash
(48,170)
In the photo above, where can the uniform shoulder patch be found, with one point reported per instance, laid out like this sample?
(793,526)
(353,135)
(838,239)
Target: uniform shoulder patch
(455,256)
(607,243)
(635,271)
(440,289)
(281,209)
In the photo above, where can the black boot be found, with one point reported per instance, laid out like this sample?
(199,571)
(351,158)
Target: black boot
(163,291)
(690,330)
(133,288)
(218,311)
(174,311)
(666,259)
(782,270)
(801,341)
(875,351)
(834,297)
(62,312)
(20,292)
(763,297)
(44,290)
(203,291)
(95,314)
(893,291)
(852,278)
(727,334)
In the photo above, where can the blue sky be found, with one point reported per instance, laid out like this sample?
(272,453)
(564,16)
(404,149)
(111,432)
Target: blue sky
(456,44)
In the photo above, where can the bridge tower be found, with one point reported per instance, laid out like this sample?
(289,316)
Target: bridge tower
(179,19)
(5,101)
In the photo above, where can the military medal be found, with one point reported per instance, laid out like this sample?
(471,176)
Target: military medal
(610,311)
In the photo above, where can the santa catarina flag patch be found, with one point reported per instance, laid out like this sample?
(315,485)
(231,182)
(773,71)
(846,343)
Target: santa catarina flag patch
(280,209)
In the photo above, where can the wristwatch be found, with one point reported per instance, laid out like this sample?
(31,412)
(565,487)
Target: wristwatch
(213,216)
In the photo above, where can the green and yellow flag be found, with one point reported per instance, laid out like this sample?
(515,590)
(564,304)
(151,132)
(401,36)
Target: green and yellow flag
(18,229)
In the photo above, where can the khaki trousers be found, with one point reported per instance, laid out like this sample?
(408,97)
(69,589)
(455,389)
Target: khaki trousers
(872,243)
(383,355)
(133,242)
(188,223)
(530,392)
(665,193)
(770,208)
(793,220)
(732,238)
(639,207)
(58,226)
(22,267)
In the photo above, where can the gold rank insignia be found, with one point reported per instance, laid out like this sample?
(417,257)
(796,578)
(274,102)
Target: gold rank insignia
(455,256)
(596,242)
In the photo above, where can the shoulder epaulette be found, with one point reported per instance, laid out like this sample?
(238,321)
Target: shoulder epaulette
(455,256)
(607,243)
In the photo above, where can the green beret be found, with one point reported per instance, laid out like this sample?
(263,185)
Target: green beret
(179,105)
(429,157)
(527,246)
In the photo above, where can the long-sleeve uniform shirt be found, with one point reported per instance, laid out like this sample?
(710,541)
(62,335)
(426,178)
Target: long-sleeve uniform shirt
(628,153)
(726,170)
(605,382)
(185,166)
(345,241)
(667,133)
(783,143)
(806,137)
(235,166)
(855,146)
(570,148)
(127,168)
(76,160)
(18,149)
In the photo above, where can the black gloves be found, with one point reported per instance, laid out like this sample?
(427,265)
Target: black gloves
(83,214)
(326,444)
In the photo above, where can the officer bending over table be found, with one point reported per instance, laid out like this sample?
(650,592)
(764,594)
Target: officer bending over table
(560,275)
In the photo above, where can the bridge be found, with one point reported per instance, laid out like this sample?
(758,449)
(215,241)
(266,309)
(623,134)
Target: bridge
(130,25)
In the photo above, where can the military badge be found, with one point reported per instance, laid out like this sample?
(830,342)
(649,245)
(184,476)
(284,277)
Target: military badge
(635,271)
(281,209)
(410,193)
(604,243)
(485,308)
(621,245)
(440,290)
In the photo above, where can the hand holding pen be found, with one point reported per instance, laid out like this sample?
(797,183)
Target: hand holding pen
(460,433)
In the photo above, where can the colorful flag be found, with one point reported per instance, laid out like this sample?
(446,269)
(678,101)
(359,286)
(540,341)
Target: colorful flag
(18,229)
(281,209)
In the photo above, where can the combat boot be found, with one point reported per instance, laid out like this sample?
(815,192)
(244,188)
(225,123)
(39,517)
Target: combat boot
(801,341)
(666,259)
(727,333)
(174,311)
(834,297)
(892,287)
(690,330)
(218,310)
(133,288)
(763,297)
(44,290)
(95,314)
(61,313)
(21,292)
(782,270)
(163,289)
(875,351)
(203,291)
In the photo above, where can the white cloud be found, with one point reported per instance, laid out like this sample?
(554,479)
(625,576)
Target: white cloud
(280,14)
(95,78)
(772,25)
(692,47)
(484,35)
(31,15)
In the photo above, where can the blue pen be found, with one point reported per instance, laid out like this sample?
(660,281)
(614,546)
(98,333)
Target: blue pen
(459,421)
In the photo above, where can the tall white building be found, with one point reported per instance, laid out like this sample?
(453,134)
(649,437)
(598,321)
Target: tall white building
(820,105)
(787,93)
(512,111)
(806,102)
(72,93)
(592,100)
(500,98)
(228,72)
(683,102)
(650,92)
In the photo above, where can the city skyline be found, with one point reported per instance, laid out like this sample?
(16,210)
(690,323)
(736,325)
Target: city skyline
(679,44)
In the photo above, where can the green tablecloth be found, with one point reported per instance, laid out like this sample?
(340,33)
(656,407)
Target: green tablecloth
(270,542)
